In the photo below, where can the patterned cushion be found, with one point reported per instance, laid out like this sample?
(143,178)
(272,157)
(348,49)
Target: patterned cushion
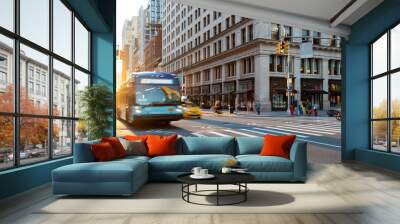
(137,148)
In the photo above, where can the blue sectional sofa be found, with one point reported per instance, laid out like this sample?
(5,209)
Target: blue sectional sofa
(125,176)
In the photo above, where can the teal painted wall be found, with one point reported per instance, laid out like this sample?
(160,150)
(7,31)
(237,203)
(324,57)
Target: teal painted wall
(356,126)
(24,178)
(99,16)
(103,61)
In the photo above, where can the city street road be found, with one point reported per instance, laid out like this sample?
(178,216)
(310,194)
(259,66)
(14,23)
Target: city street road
(321,133)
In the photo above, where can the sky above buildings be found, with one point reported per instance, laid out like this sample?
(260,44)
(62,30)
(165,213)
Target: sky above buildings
(125,10)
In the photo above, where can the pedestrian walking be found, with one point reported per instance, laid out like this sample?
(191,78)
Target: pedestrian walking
(258,108)
(301,108)
(291,109)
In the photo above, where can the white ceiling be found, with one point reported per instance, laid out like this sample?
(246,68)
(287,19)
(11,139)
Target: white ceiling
(324,15)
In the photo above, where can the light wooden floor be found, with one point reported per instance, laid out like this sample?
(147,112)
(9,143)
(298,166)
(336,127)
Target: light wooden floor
(378,189)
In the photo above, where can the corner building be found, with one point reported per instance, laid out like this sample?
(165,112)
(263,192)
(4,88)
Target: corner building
(233,60)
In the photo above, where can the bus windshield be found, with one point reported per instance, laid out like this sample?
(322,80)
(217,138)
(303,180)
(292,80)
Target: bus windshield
(157,95)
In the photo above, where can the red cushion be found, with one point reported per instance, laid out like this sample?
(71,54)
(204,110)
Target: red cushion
(103,152)
(161,145)
(116,145)
(277,145)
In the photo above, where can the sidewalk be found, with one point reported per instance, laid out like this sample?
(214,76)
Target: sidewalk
(264,114)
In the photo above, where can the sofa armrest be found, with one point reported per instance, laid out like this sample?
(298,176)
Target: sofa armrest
(83,152)
(298,155)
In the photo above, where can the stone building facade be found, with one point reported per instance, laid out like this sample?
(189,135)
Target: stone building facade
(233,60)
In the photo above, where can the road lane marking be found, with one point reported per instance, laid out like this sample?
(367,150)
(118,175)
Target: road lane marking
(219,134)
(257,132)
(240,133)
(307,130)
(198,134)
(287,132)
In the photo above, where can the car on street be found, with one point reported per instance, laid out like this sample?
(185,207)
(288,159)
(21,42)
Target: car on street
(191,110)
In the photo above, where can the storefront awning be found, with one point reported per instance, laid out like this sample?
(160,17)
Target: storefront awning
(283,90)
(313,92)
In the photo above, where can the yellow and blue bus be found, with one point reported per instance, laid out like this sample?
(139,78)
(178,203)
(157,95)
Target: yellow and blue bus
(150,96)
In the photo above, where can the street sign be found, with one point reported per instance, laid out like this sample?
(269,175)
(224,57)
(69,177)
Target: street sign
(306,50)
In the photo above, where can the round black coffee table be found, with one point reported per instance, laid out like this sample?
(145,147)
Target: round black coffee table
(238,179)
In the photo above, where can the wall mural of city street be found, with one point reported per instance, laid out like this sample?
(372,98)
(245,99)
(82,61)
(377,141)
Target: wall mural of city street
(199,72)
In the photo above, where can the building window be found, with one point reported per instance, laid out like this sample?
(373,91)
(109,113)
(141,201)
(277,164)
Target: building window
(250,29)
(334,67)
(316,38)
(275,31)
(385,97)
(306,35)
(272,63)
(218,73)
(231,69)
(279,63)
(233,39)
(227,43)
(243,34)
(248,65)
(207,75)
(227,23)
(41,110)
(288,33)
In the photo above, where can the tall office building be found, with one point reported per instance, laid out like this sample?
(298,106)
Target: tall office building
(233,60)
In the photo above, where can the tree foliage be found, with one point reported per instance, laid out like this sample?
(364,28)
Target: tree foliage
(380,127)
(33,131)
(97,104)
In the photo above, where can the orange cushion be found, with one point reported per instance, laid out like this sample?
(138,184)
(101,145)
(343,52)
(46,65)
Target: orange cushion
(161,145)
(103,152)
(116,145)
(136,137)
(277,145)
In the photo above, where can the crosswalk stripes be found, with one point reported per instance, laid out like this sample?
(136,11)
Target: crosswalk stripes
(320,129)
(301,130)
(307,130)
(285,132)
(240,133)
(257,132)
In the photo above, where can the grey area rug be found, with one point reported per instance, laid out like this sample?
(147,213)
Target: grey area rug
(166,198)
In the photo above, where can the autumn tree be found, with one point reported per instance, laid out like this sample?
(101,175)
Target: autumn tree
(380,127)
(33,131)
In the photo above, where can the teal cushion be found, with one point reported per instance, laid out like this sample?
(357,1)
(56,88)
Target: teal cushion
(206,145)
(249,145)
(257,163)
(185,163)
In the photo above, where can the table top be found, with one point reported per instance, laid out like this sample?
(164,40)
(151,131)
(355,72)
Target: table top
(220,178)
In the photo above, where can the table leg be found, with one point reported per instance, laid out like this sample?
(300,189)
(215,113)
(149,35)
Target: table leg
(217,194)
(245,193)
(196,187)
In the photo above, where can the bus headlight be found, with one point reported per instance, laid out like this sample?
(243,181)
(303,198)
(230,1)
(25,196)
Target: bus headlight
(179,110)
(137,107)
(138,111)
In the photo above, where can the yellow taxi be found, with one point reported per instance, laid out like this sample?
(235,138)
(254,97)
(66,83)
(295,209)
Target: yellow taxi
(191,110)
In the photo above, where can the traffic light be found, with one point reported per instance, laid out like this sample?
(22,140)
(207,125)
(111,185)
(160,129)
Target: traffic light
(286,47)
(279,47)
